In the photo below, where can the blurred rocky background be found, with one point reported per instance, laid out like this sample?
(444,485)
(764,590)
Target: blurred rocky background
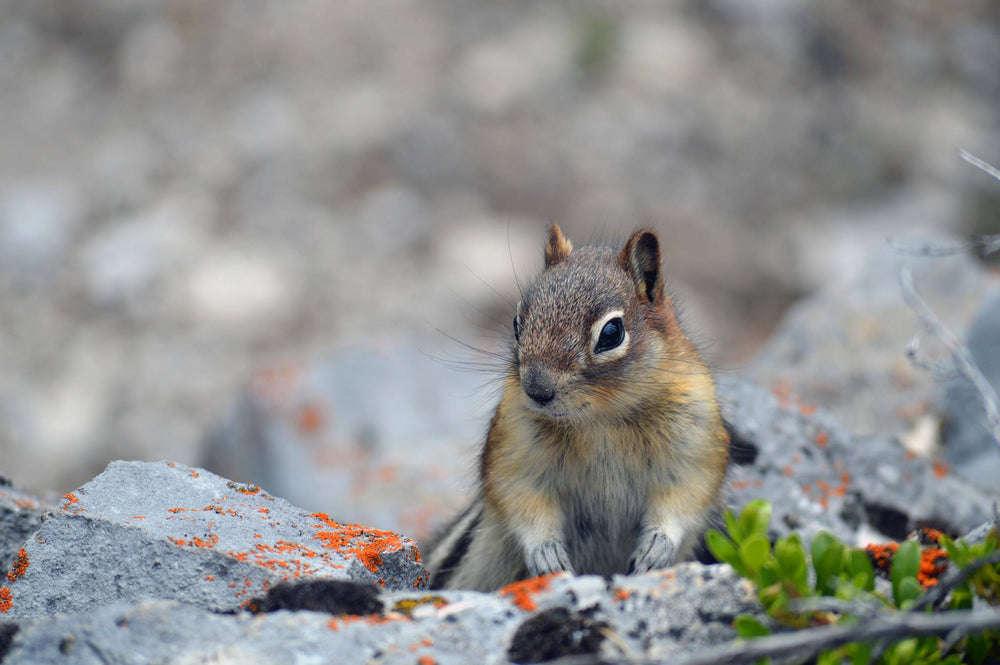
(191,191)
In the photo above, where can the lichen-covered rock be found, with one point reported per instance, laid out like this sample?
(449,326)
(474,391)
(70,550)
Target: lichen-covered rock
(659,614)
(163,530)
(383,435)
(819,476)
(20,515)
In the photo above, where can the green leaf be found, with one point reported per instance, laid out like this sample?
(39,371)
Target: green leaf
(769,573)
(748,627)
(722,548)
(861,653)
(961,597)
(755,551)
(905,565)
(976,648)
(909,590)
(901,652)
(733,526)
(755,519)
(861,569)
(823,541)
(829,564)
(791,556)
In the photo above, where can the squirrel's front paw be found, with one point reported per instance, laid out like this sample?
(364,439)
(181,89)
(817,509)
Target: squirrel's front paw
(654,550)
(549,557)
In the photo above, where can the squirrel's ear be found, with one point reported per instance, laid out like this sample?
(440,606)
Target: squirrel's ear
(558,247)
(641,259)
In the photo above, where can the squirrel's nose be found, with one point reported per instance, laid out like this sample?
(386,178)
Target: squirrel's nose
(539,385)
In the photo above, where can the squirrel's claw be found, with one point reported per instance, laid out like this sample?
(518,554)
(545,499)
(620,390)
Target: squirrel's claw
(654,550)
(549,557)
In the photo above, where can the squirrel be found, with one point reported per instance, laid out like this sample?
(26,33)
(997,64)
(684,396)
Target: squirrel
(607,453)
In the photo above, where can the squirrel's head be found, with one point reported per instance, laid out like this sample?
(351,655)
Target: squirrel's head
(592,329)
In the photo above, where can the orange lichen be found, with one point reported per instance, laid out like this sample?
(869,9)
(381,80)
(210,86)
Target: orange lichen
(426,660)
(782,389)
(941,469)
(211,540)
(881,555)
(194,474)
(806,409)
(822,439)
(70,499)
(788,470)
(929,536)
(210,578)
(933,562)
(138,517)
(827,491)
(367,544)
(20,565)
(622,594)
(522,592)
(6,600)
(311,419)
(248,488)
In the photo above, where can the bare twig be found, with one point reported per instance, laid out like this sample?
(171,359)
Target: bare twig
(809,642)
(862,608)
(985,244)
(980,164)
(960,354)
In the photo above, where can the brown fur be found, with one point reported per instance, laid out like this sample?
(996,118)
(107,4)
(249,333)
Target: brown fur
(625,464)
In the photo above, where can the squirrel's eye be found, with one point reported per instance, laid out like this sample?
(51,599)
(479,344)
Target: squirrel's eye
(611,336)
(517,329)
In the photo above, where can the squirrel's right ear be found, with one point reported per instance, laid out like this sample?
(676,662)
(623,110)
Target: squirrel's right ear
(558,247)
(641,259)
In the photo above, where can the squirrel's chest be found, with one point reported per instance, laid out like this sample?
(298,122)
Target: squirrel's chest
(603,505)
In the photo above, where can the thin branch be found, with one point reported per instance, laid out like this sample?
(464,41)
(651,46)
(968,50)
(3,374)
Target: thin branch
(980,164)
(807,643)
(960,354)
(862,608)
(985,244)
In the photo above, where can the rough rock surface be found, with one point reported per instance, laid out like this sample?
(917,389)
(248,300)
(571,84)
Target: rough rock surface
(382,436)
(20,515)
(660,614)
(163,530)
(817,475)
(186,186)
(844,347)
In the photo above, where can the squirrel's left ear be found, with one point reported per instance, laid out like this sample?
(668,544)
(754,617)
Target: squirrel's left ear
(641,259)
(558,248)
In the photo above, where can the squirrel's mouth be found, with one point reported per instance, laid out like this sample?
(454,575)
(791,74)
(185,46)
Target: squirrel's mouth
(556,411)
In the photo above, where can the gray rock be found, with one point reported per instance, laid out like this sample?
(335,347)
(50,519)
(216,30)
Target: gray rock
(382,435)
(968,442)
(20,515)
(163,530)
(817,475)
(844,347)
(658,614)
